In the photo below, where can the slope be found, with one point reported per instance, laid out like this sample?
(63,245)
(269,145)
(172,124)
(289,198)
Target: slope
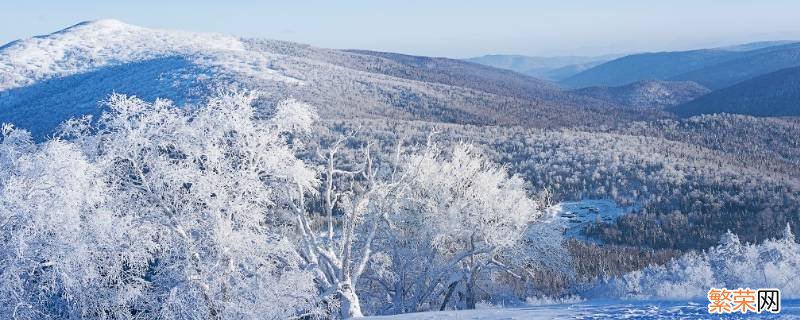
(712,68)
(46,79)
(757,63)
(646,66)
(773,94)
(647,93)
(477,77)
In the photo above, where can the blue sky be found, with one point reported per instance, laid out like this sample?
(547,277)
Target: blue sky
(440,28)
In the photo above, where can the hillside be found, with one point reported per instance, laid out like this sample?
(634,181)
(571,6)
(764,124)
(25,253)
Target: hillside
(757,63)
(646,66)
(647,94)
(713,68)
(460,73)
(664,168)
(46,79)
(774,94)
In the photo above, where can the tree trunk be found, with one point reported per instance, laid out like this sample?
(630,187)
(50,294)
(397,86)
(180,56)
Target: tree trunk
(350,305)
(470,291)
(398,300)
(450,289)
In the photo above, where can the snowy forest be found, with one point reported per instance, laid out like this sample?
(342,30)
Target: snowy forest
(208,213)
(161,174)
(215,212)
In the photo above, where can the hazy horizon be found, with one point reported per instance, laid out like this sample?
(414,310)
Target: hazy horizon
(456,29)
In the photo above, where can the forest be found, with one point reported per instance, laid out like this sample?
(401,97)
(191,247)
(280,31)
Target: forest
(218,211)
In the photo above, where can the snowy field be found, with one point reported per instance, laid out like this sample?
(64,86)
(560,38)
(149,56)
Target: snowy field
(599,310)
(572,216)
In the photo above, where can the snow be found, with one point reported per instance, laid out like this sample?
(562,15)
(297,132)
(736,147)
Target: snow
(731,264)
(48,79)
(94,44)
(87,234)
(91,45)
(68,72)
(611,309)
(572,217)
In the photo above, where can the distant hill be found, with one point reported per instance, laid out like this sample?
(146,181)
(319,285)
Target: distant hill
(647,93)
(548,68)
(773,94)
(752,64)
(458,73)
(47,79)
(711,68)
(646,66)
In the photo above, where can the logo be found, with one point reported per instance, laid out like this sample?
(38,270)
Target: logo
(744,300)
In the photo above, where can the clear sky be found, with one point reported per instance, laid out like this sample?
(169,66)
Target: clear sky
(452,28)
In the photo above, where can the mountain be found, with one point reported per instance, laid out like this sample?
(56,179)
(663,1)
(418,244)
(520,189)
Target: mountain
(646,66)
(712,68)
(773,94)
(752,64)
(648,93)
(46,79)
(549,68)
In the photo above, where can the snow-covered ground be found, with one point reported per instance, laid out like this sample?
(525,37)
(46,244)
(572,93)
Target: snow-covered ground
(599,310)
(94,44)
(544,239)
(70,71)
(47,79)
(571,217)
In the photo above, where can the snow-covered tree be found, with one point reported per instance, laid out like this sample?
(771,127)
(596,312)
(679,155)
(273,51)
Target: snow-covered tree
(62,255)
(337,233)
(457,213)
(157,212)
(200,181)
(731,264)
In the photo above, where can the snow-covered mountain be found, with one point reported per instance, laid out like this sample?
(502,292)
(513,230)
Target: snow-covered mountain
(46,79)
(648,93)
(91,45)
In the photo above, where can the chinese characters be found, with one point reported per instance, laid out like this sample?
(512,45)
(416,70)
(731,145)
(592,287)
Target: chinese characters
(744,300)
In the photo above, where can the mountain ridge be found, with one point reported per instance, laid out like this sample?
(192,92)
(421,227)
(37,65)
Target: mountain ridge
(549,68)
(74,64)
(686,66)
